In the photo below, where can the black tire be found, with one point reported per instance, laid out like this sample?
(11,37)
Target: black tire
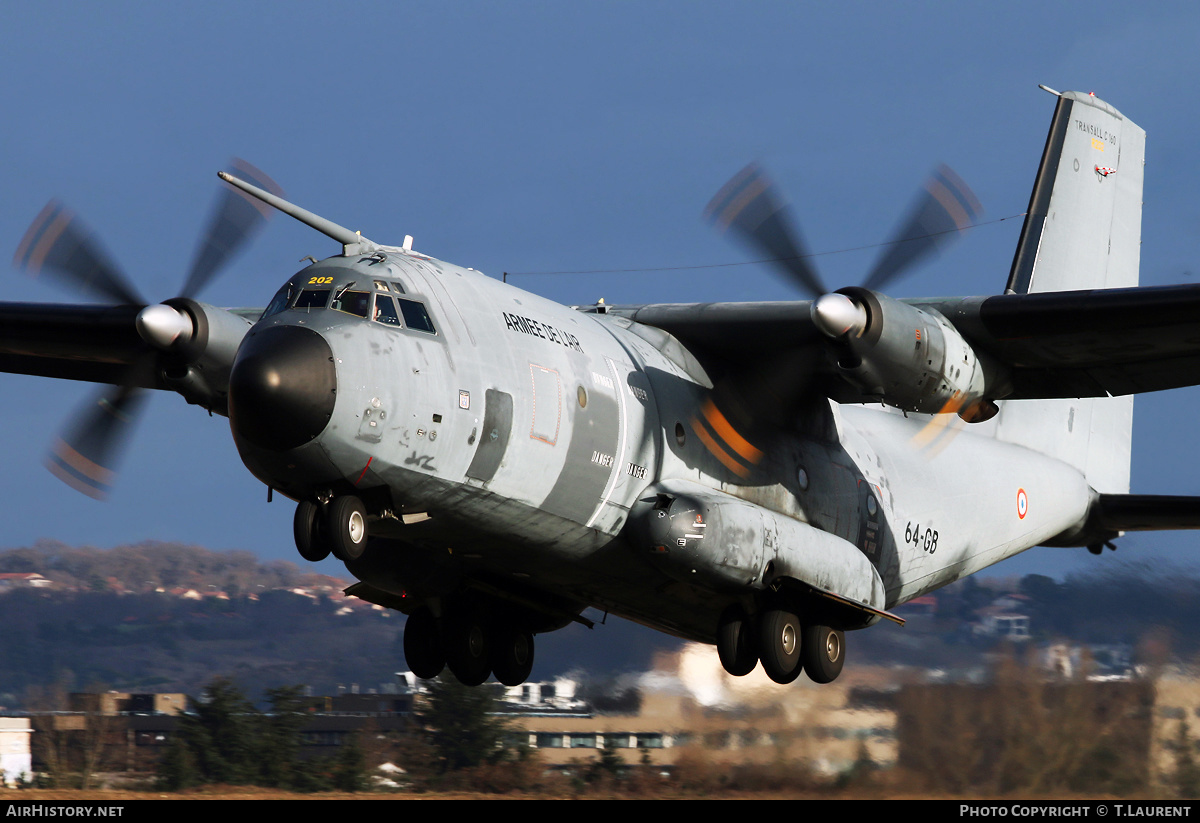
(735,642)
(824,653)
(423,645)
(466,642)
(306,528)
(780,637)
(346,526)
(511,656)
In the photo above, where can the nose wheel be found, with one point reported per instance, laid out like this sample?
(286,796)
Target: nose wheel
(346,523)
(340,528)
(309,532)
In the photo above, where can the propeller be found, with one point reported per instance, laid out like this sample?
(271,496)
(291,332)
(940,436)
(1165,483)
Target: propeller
(57,243)
(751,206)
(944,209)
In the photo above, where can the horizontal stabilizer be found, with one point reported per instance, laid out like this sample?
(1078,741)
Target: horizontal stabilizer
(1147,512)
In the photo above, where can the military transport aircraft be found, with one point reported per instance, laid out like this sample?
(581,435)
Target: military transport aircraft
(761,476)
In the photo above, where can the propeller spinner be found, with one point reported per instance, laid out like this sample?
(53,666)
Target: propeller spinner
(57,243)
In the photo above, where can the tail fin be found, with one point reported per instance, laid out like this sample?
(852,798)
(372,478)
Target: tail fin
(1083,230)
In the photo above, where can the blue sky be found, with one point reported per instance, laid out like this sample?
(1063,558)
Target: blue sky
(548,136)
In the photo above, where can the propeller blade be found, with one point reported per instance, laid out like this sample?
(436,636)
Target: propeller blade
(946,207)
(236,218)
(85,457)
(57,241)
(750,206)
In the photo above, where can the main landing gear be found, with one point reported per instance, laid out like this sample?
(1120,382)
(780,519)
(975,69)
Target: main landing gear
(338,528)
(471,644)
(784,645)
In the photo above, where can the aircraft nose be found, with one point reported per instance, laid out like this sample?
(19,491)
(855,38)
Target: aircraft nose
(282,387)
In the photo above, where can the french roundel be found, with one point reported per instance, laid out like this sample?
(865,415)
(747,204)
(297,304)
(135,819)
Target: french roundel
(1022,504)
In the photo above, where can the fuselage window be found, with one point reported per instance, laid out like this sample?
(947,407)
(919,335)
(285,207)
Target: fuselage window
(415,316)
(312,299)
(385,311)
(279,301)
(353,302)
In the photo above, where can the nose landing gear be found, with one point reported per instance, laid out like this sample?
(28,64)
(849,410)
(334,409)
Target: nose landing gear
(338,528)
(346,525)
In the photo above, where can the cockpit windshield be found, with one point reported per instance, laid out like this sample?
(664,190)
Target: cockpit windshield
(352,302)
(385,311)
(312,299)
(382,304)
(280,301)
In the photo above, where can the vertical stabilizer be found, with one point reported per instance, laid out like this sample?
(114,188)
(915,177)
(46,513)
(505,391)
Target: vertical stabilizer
(1083,230)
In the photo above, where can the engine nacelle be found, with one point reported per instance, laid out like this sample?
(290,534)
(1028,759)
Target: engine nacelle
(200,342)
(908,357)
(722,543)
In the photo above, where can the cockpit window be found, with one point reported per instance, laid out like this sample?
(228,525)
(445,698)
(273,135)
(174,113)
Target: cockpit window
(352,302)
(280,301)
(415,316)
(398,288)
(385,311)
(380,285)
(312,299)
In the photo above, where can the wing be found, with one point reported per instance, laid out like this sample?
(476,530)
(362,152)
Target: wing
(98,344)
(1087,343)
(1056,344)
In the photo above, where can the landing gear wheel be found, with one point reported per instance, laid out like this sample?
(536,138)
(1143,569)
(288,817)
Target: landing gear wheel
(512,657)
(779,641)
(346,525)
(310,537)
(824,653)
(466,647)
(735,642)
(423,645)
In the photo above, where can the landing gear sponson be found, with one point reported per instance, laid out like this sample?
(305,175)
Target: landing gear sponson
(778,638)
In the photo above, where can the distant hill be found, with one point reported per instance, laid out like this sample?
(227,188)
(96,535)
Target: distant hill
(169,617)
